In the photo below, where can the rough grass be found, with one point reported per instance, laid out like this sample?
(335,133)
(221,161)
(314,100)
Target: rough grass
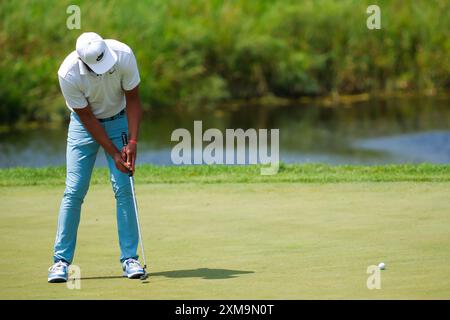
(307,173)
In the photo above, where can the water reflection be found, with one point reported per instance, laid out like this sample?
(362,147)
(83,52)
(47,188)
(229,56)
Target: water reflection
(377,131)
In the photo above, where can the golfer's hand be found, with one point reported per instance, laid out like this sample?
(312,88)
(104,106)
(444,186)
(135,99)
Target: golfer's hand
(129,155)
(120,163)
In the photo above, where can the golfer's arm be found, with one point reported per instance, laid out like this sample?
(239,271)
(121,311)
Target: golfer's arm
(94,127)
(134,112)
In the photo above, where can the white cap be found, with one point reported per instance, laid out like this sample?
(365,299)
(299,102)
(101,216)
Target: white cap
(94,51)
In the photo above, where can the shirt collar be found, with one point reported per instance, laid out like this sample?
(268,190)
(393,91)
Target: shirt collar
(82,67)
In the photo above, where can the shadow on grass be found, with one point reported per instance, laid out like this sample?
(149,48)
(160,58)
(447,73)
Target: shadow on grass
(101,277)
(203,273)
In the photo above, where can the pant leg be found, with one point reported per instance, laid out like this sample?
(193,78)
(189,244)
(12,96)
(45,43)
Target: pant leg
(126,216)
(81,154)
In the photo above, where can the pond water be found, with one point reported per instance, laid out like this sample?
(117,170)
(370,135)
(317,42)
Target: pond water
(379,131)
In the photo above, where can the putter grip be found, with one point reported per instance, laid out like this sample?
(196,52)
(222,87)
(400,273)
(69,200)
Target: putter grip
(124,139)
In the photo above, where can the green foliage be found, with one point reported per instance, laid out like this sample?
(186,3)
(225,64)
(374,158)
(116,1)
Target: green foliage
(200,53)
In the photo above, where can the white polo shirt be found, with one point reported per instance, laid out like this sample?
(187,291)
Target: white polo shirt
(104,93)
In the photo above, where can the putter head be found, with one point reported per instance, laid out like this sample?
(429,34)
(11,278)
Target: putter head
(144,276)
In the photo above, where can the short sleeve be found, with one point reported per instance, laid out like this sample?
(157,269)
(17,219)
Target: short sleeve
(130,72)
(72,94)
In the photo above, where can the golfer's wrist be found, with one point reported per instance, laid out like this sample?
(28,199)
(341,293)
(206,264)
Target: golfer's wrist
(114,151)
(132,141)
(116,154)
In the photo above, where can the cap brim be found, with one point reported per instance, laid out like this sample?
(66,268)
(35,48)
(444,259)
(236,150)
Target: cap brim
(108,61)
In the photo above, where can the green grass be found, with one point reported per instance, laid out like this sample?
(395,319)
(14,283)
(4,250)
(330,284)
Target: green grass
(238,240)
(320,173)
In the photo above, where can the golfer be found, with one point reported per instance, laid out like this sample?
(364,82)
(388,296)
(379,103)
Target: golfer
(99,81)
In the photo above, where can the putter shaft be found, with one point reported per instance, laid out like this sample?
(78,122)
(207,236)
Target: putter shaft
(133,193)
(137,220)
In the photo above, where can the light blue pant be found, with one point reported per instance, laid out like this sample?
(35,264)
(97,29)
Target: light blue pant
(81,153)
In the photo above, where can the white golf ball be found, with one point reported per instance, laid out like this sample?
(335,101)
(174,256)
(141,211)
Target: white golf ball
(382,266)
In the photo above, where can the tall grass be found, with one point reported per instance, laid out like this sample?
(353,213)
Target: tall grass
(200,53)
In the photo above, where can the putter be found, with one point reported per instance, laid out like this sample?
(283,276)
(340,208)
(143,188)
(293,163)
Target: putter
(130,175)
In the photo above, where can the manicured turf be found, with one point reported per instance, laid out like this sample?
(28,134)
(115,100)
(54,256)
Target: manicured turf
(238,240)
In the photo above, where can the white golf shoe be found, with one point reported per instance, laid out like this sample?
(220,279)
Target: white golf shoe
(58,272)
(132,269)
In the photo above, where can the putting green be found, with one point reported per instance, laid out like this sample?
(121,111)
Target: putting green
(232,241)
